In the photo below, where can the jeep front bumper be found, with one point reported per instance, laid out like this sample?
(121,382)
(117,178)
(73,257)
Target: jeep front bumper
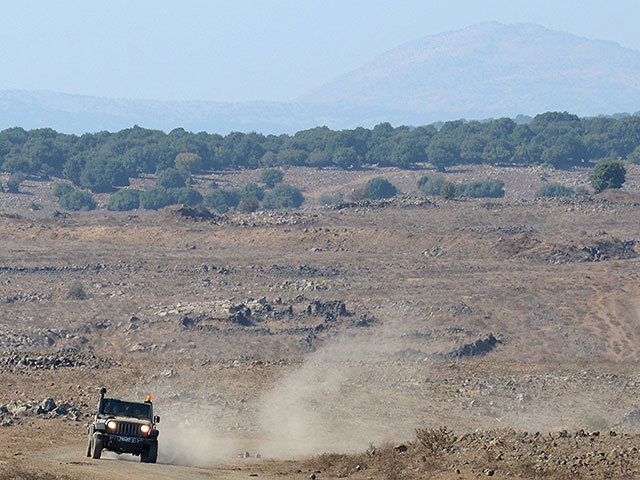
(122,444)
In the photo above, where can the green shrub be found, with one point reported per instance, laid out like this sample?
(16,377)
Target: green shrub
(155,198)
(62,188)
(159,197)
(77,200)
(379,187)
(123,200)
(432,185)
(222,199)
(448,190)
(171,178)
(334,199)
(271,176)
(185,195)
(76,291)
(481,189)
(13,184)
(283,196)
(253,190)
(554,190)
(248,205)
(424,179)
(606,175)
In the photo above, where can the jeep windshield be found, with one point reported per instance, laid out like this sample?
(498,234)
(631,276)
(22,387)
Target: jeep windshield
(118,408)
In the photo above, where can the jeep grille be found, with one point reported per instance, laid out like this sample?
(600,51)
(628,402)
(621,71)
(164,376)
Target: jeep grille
(129,429)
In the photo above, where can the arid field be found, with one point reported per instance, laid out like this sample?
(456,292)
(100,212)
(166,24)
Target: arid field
(313,343)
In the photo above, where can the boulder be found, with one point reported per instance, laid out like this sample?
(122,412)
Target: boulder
(47,405)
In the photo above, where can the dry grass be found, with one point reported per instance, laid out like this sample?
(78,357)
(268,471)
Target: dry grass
(437,440)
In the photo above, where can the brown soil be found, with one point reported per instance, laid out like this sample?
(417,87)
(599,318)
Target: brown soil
(293,334)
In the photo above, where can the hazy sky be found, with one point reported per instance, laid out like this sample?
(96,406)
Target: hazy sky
(238,50)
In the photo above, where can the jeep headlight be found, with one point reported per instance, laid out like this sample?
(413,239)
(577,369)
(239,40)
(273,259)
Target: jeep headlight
(145,429)
(111,425)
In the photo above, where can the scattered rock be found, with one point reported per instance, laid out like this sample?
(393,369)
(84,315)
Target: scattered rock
(481,346)
(400,448)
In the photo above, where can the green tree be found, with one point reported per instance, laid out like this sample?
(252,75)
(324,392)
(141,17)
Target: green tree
(222,199)
(379,187)
(634,157)
(171,178)
(472,148)
(345,157)
(497,151)
(101,175)
(124,200)
(13,184)
(566,151)
(606,175)
(283,196)
(253,190)
(15,163)
(73,168)
(442,152)
(271,176)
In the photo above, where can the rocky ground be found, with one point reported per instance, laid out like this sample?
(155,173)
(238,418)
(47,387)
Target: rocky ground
(310,335)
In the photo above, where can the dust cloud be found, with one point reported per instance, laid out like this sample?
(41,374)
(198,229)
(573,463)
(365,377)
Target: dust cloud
(188,435)
(194,446)
(341,399)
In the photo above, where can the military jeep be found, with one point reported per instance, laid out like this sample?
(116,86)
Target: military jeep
(123,427)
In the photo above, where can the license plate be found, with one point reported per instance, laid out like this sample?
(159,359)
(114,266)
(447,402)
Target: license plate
(128,439)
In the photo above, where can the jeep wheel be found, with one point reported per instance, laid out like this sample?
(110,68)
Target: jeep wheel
(96,448)
(149,454)
(89,447)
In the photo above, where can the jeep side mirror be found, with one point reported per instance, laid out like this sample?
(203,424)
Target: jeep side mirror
(94,412)
(156,419)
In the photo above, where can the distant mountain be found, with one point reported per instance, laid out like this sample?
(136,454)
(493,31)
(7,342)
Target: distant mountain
(492,70)
(79,114)
(487,70)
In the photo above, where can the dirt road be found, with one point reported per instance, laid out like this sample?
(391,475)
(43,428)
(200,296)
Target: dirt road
(70,460)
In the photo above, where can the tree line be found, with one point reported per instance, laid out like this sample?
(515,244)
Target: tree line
(103,161)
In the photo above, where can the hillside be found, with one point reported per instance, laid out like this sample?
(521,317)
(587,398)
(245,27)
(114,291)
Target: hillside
(492,69)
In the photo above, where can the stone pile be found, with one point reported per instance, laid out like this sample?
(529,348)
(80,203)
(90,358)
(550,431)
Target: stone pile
(16,411)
